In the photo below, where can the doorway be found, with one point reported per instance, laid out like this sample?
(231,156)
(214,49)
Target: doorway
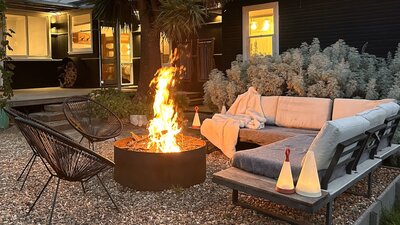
(108,57)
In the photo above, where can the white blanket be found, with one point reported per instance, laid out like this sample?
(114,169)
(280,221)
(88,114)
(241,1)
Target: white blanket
(223,129)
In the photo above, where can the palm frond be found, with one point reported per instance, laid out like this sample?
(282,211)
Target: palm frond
(112,11)
(179,19)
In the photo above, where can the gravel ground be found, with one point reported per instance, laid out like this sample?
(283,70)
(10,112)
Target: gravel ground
(206,203)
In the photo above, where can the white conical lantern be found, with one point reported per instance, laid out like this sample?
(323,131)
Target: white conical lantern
(285,180)
(223,110)
(308,184)
(196,121)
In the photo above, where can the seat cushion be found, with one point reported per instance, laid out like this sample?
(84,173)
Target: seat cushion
(375,116)
(334,132)
(271,134)
(391,108)
(303,112)
(345,107)
(267,160)
(268,105)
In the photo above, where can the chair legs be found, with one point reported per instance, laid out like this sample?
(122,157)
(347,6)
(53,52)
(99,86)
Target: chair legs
(54,200)
(108,193)
(40,194)
(56,192)
(29,166)
(83,187)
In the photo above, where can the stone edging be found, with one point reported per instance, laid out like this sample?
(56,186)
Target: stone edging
(385,201)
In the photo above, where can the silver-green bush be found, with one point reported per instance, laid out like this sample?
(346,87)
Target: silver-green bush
(336,71)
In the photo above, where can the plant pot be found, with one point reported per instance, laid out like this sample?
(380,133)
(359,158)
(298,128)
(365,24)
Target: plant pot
(138,120)
(4,121)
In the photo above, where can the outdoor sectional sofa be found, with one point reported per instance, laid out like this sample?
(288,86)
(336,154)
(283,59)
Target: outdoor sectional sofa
(349,137)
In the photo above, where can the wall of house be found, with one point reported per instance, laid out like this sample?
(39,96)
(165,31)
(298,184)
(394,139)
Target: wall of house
(43,73)
(355,21)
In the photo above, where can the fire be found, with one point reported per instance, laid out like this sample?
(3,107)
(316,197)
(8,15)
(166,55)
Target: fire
(163,128)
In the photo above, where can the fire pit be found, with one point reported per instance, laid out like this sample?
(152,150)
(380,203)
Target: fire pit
(151,171)
(165,158)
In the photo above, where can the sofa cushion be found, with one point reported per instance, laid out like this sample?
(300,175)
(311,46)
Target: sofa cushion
(267,160)
(391,108)
(334,132)
(271,134)
(345,107)
(268,105)
(375,116)
(303,112)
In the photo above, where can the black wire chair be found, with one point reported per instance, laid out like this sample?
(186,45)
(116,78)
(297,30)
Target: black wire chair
(14,114)
(65,159)
(91,119)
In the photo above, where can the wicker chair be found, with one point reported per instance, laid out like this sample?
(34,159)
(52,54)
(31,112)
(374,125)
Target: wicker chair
(65,159)
(13,113)
(91,119)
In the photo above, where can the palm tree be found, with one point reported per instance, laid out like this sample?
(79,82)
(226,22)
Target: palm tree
(177,19)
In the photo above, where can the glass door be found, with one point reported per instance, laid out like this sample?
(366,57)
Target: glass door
(108,57)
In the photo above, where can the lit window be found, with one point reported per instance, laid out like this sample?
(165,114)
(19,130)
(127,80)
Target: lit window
(31,38)
(260,29)
(80,33)
(165,49)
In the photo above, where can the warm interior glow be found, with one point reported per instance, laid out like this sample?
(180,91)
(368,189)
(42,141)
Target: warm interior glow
(266,25)
(163,128)
(308,184)
(253,25)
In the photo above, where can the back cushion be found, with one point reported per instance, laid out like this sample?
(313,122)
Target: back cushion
(390,108)
(269,104)
(303,112)
(375,116)
(334,132)
(344,107)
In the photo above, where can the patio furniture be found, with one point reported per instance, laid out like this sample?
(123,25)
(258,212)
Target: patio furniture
(347,148)
(65,159)
(91,119)
(13,113)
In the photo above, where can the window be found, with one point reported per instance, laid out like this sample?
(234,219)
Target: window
(260,30)
(29,40)
(165,50)
(108,75)
(80,33)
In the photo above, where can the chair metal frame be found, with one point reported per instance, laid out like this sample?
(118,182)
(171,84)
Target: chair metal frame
(92,138)
(14,114)
(63,158)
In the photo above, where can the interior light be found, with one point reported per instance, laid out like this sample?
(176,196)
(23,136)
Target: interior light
(253,25)
(266,25)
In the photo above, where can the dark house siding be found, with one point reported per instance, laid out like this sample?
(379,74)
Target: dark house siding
(355,21)
(43,73)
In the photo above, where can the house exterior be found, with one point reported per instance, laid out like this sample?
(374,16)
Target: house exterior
(288,23)
(67,29)
(49,31)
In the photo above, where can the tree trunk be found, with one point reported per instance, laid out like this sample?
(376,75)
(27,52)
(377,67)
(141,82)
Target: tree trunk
(150,56)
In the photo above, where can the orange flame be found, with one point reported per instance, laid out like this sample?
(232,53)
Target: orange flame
(163,128)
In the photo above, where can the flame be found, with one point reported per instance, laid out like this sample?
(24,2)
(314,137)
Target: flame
(163,128)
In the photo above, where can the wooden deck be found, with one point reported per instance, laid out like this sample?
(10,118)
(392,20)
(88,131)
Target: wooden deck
(43,96)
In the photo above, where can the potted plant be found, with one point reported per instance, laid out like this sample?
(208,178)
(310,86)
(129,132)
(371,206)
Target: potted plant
(6,68)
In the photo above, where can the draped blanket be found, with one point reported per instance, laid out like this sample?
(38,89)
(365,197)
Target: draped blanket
(223,129)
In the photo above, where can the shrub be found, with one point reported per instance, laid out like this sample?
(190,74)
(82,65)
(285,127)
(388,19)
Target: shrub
(118,102)
(336,71)
(391,217)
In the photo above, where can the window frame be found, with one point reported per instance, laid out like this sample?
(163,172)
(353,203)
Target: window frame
(245,24)
(86,50)
(27,14)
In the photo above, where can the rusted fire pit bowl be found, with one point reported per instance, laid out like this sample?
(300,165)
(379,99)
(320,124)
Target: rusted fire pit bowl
(147,171)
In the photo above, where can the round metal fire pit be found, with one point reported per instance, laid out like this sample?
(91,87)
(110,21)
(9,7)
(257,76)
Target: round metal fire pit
(148,171)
